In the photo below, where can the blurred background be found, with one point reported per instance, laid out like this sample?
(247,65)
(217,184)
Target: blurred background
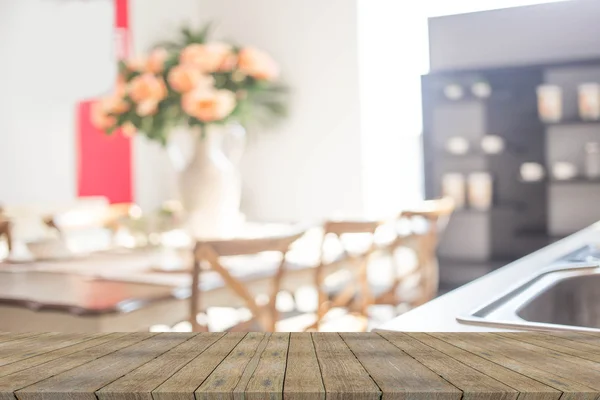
(386,105)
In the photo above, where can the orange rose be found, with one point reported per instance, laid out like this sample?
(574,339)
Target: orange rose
(184,78)
(100,117)
(136,64)
(257,64)
(147,87)
(103,111)
(210,57)
(146,107)
(156,60)
(209,105)
(128,129)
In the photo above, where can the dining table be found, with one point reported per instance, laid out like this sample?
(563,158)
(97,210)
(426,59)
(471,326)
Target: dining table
(134,289)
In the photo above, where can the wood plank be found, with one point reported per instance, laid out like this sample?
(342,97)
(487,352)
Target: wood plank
(491,350)
(343,375)
(21,349)
(574,368)
(528,388)
(558,344)
(578,337)
(13,382)
(182,384)
(474,384)
(302,376)
(86,342)
(267,380)
(225,378)
(139,383)
(80,383)
(8,336)
(397,374)
(238,391)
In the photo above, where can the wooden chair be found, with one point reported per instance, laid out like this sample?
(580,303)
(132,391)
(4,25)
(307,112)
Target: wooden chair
(110,218)
(6,230)
(356,294)
(210,253)
(436,214)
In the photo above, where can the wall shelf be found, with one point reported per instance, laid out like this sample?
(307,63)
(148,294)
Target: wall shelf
(575,181)
(572,121)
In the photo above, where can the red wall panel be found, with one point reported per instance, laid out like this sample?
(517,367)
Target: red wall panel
(104,162)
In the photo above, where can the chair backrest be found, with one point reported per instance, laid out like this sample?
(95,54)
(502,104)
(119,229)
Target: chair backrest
(249,246)
(211,250)
(339,227)
(431,209)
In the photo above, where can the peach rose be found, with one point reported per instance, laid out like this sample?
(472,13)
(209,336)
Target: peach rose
(184,78)
(147,107)
(156,60)
(209,105)
(128,129)
(103,111)
(257,64)
(147,87)
(136,64)
(210,57)
(100,117)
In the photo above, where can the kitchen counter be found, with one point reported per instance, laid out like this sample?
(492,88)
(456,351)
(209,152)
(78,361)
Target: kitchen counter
(388,365)
(439,315)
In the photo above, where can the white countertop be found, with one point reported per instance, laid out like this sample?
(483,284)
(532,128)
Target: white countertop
(439,315)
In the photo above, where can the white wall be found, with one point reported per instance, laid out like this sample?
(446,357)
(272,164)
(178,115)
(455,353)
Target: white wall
(52,54)
(310,166)
(61,51)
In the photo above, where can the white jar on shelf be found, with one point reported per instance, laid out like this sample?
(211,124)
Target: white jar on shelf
(589,101)
(453,186)
(549,98)
(480,190)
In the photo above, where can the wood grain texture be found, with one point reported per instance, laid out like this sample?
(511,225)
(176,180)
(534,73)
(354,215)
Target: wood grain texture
(13,382)
(397,374)
(238,390)
(491,350)
(85,341)
(577,369)
(473,383)
(22,349)
(529,389)
(268,377)
(343,375)
(80,383)
(182,384)
(558,344)
(386,365)
(10,336)
(225,378)
(139,383)
(302,376)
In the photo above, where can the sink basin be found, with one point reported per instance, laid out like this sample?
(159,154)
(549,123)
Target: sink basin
(573,301)
(563,298)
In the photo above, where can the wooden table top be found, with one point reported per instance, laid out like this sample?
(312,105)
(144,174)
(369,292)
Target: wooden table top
(388,365)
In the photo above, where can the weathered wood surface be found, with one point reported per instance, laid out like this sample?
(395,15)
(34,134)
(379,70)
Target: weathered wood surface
(386,365)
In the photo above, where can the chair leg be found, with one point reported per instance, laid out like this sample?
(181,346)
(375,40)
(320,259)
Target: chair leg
(195,298)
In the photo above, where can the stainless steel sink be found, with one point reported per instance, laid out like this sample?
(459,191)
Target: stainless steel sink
(564,297)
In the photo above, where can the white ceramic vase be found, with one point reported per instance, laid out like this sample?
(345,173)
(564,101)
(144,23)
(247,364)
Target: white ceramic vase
(208,177)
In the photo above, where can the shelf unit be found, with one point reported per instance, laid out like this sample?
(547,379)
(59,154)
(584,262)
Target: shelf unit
(545,210)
